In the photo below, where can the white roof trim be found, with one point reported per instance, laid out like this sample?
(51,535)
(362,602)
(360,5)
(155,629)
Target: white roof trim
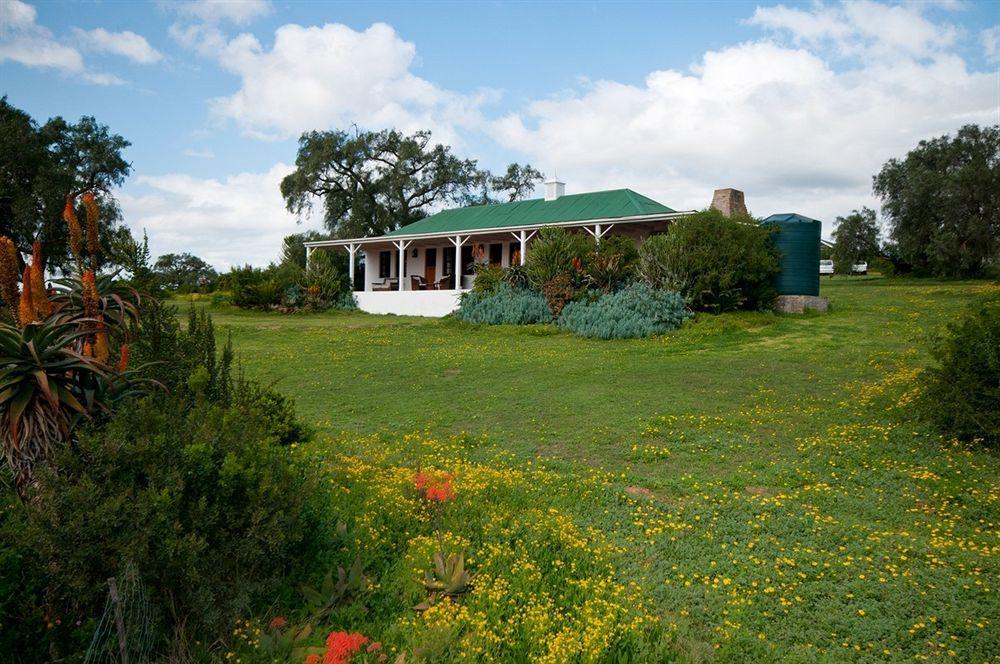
(500,229)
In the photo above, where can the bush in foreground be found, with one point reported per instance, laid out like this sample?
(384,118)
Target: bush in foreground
(961,395)
(506,305)
(717,263)
(635,311)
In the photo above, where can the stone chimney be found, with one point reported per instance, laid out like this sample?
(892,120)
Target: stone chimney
(554,189)
(729,202)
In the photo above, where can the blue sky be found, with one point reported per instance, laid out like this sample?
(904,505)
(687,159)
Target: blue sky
(796,103)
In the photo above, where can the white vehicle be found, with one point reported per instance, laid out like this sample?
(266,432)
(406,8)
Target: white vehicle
(826,267)
(859,268)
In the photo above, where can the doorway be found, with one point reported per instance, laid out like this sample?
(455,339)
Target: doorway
(430,265)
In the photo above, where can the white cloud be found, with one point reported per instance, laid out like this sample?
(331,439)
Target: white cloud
(24,41)
(781,122)
(861,28)
(240,219)
(239,12)
(327,76)
(126,43)
(16,14)
(991,43)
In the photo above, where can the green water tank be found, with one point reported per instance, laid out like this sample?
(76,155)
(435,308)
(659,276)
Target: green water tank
(797,238)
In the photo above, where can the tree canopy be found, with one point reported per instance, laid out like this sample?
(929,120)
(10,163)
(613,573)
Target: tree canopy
(942,202)
(41,164)
(855,239)
(373,182)
(293,247)
(183,272)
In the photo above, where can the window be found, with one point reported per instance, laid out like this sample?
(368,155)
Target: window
(496,254)
(515,251)
(466,267)
(384,258)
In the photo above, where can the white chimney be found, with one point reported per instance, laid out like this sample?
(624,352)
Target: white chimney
(554,189)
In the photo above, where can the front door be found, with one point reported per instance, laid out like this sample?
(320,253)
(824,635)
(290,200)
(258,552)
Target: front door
(430,265)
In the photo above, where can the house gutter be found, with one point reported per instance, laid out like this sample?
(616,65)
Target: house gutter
(499,229)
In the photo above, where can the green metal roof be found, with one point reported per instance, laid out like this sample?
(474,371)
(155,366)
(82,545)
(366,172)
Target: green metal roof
(537,211)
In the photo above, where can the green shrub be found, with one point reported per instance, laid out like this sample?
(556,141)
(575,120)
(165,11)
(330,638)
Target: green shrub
(505,306)
(961,394)
(206,505)
(488,278)
(612,263)
(716,263)
(324,280)
(552,254)
(516,276)
(634,311)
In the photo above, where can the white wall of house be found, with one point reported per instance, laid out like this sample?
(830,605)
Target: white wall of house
(409,303)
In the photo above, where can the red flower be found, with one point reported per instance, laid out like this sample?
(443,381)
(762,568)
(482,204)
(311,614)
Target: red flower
(312,659)
(442,492)
(340,646)
(436,487)
(278,621)
(577,263)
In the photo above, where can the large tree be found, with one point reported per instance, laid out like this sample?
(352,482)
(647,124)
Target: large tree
(373,182)
(855,239)
(943,202)
(293,247)
(183,272)
(41,164)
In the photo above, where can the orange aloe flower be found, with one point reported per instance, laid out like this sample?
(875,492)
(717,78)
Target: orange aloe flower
(75,232)
(8,274)
(90,296)
(101,349)
(26,311)
(123,358)
(93,246)
(39,296)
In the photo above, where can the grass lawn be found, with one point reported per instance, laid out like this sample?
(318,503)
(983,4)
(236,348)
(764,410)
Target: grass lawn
(750,487)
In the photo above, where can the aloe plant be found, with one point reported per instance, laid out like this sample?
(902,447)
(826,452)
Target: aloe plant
(117,303)
(449,576)
(42,382)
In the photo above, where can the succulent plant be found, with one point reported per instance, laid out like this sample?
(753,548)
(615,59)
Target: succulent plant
(449,576)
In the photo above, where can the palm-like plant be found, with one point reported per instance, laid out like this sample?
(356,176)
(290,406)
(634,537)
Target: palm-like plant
(42,381)
(117,304)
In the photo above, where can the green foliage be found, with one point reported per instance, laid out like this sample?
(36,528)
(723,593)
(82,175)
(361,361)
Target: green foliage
(40,164)
(349,585)
(46,387)
(293,247)
(942,202)
(325,280)
(203,501)
(372,182)
(961,394)
(855,240)
(716,263)
(552,253)
(612,263)
(634,311)
(488,277)
(185,273)
(504,306)
(449,576)
(516,276)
